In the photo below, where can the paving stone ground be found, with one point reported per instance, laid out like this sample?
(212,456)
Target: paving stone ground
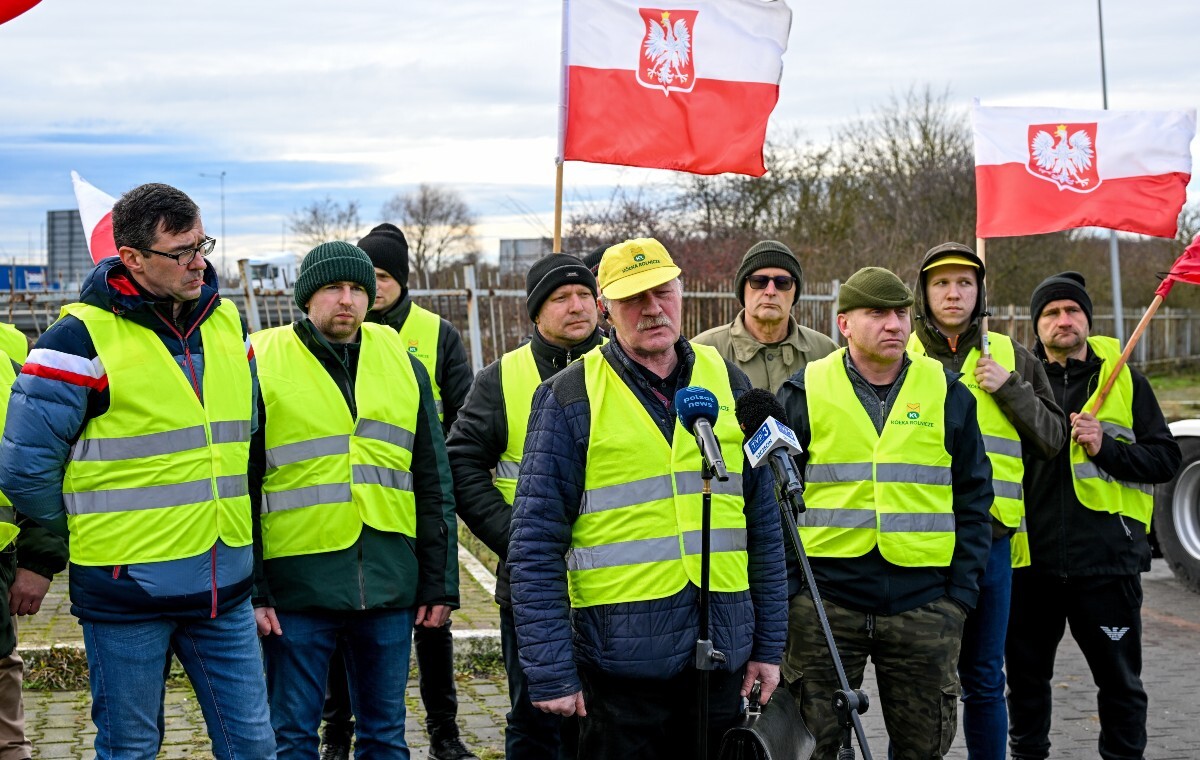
(59,725)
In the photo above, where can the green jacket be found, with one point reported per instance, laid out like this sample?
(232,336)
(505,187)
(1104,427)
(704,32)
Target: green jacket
(767,366)
(381,570)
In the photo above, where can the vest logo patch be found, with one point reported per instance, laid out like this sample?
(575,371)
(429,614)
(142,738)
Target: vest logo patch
(1115,633)
(914,411)
(413,345)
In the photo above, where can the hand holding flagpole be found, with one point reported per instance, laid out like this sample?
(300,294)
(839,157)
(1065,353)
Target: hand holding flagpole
(1185,269)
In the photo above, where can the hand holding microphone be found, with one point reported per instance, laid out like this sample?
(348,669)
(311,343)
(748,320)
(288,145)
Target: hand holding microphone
(697,410)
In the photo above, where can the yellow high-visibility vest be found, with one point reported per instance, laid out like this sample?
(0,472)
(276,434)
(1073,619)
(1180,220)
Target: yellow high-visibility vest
(14,343)
(419,337)
(1001,441)
(519,378)
(328,474)
(864,488)
(1094,487)
(638,533)
(160,475)
(8,518)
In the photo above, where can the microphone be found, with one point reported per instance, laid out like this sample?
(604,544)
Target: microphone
(697,410)
(771,441)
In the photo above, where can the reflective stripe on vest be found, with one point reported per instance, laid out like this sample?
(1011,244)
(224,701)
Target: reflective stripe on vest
(419,337)
(519,378)
(161,476)
(8,526)
(865,489)
(1094,487)
(327,473)
(637,537)
(1000,438)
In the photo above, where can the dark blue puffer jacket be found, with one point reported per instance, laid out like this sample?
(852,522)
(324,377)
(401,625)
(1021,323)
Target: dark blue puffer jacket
(62,386)
(652,639)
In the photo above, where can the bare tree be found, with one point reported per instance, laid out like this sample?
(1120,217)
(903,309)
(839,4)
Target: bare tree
(439,227)
(325,220)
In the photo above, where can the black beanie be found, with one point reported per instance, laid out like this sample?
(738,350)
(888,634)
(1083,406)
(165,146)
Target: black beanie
(333,262)
(592,259)
(762,255)
(1068,285)
(550,272)
(388,251)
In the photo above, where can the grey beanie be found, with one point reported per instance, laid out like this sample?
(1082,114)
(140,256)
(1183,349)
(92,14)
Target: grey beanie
(764,254)
(333,262)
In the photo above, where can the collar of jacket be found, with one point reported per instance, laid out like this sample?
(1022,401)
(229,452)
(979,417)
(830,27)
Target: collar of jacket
(395,316)
(745,345)
(1074,368)
(630,374)
(557,357)
(937,345)
(345,354)
(109,286)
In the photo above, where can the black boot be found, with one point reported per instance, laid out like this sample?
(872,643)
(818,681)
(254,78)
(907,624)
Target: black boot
(449,747)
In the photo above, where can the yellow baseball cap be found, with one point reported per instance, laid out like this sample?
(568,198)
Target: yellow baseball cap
(948,260)
(633,267)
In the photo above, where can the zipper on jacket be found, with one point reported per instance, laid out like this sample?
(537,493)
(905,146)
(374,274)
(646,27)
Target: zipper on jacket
(362,583)
(1124,526)
(213,575)
(116,572)
(1062,509)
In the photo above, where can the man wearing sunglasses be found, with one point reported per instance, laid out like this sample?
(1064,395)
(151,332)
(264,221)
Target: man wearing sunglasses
(763,340)
(129,429)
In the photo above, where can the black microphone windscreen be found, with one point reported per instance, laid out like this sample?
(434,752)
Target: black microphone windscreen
(755,406)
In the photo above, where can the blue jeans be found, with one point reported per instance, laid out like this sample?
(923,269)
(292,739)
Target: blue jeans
(376,645)
(221,657)
(981,662)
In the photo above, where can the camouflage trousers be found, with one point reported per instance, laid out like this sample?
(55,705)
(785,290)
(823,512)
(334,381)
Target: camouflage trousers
(915,654)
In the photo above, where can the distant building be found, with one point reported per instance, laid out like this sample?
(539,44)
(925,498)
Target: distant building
(66,246)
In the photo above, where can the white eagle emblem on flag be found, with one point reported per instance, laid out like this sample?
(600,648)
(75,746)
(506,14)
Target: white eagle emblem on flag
(666,61)
(1064,154)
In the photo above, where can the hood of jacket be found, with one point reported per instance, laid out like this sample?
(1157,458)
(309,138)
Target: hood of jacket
(923,324)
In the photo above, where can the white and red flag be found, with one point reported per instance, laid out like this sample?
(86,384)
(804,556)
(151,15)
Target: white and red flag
(95,211)
(685,85)
(1049,169)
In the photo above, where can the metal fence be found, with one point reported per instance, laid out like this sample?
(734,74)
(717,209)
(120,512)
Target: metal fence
(491,315)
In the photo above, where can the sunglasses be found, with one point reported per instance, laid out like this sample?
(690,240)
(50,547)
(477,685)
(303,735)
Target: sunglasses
(783,282)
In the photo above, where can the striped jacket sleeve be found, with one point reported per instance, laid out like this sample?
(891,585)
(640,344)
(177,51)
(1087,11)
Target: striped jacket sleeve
(46,413)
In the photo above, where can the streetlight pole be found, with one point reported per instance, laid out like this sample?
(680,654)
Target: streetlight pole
(1114,257)
(221,177)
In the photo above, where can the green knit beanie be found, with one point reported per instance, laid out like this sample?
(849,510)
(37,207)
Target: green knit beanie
(873,288)
(763,255)
(333,262)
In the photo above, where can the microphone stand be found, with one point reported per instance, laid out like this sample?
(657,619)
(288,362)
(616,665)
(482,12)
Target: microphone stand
(847,703)
(706,657)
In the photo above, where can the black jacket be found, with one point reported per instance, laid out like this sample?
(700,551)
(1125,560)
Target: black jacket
(453,376)
(480,436)
(1067,539)
(380,570)
(872,584)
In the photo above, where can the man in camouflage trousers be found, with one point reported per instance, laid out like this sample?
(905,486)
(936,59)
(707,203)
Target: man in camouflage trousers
(897,487)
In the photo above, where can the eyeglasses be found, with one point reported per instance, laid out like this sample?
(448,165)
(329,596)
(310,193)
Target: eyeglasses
(783,282)
(183,258)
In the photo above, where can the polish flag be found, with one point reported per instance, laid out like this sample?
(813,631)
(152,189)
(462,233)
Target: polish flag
(687,86)
(1049,169)
(10,9)
(95,211)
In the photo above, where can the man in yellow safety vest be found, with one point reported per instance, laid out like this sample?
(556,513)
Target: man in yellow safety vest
(605,547)
(897,487)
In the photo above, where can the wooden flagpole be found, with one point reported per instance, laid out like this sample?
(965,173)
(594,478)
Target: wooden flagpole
(981,252)
(558,193)
(1133,339)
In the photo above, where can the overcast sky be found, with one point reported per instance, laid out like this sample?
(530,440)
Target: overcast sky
(361,100)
